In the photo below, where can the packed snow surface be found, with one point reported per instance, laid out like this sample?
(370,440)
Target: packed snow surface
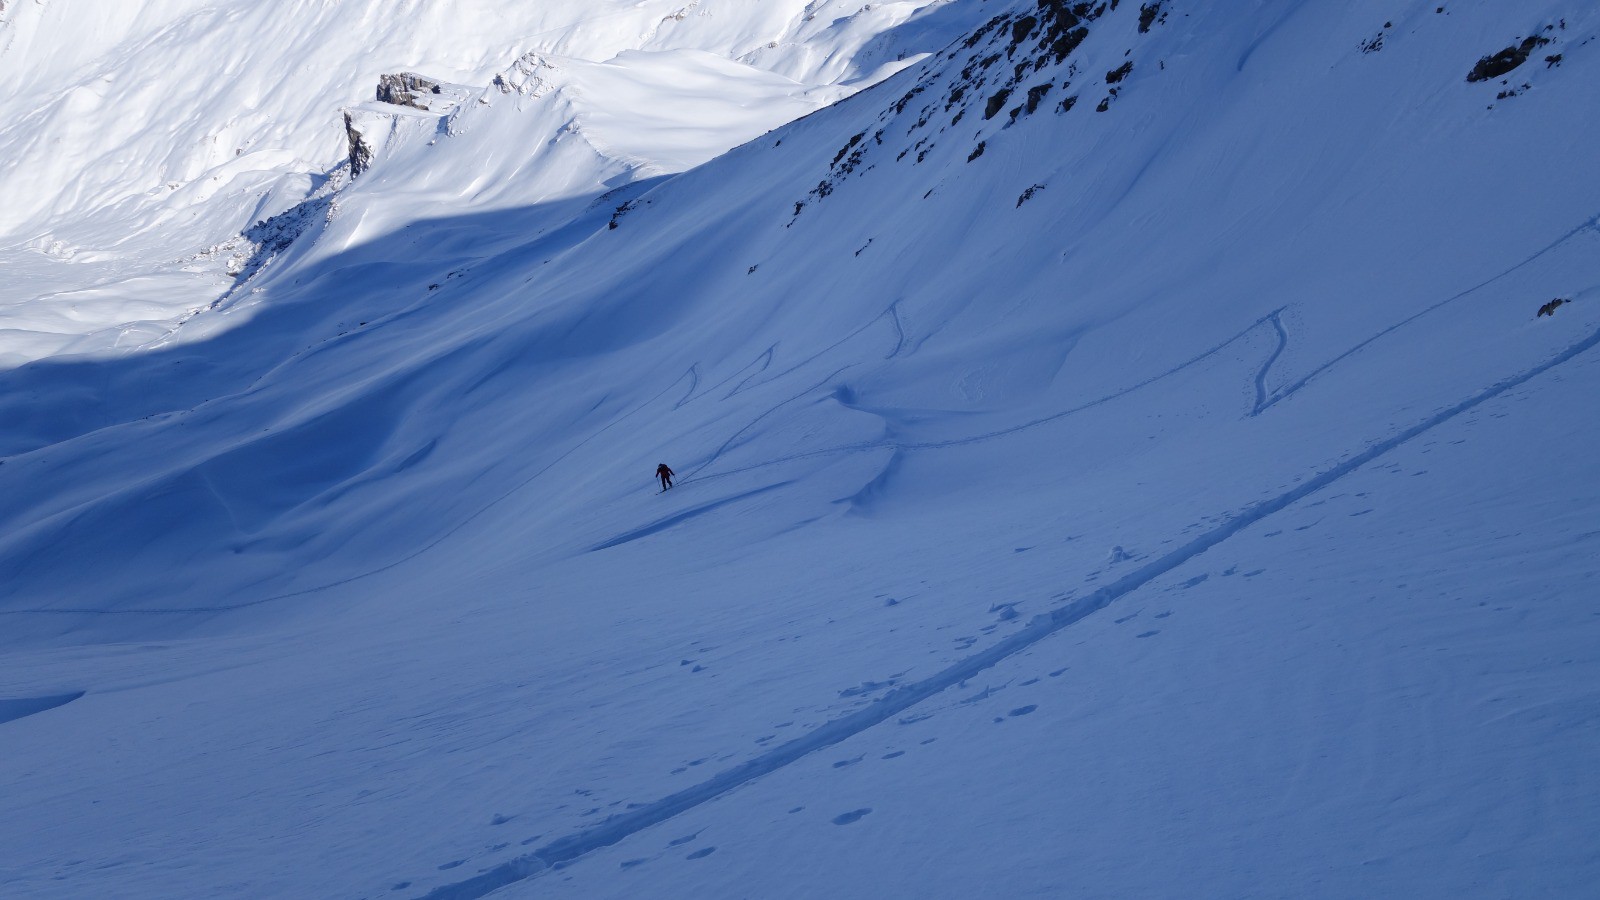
(1119,451)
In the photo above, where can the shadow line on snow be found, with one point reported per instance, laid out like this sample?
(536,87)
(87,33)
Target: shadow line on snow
(55,402)
(574,846)
(11,710)
(436,541)
(155,367)
(663,524)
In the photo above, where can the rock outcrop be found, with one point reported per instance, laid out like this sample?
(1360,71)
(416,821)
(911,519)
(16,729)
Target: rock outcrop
(362,148)
(403,103)
(407,89)
(526,76)
(1500,63)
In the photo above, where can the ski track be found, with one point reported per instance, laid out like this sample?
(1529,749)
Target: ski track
(574,846)
(693,374)
(764,363)
(892,313)
(1263,399)
(1261,374)
(1593,224)
(1271,317)
(694,383)
(734,438)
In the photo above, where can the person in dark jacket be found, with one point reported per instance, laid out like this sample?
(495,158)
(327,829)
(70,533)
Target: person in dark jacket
(665,474)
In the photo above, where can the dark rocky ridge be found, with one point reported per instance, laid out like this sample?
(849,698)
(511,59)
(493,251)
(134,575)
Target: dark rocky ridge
(360,152)
(1009,64)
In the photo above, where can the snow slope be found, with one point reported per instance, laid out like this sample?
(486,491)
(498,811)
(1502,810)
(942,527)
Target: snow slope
(143,135)
(1176,498)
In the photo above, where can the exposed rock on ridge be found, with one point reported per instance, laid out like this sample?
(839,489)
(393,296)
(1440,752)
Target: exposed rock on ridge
(405,88)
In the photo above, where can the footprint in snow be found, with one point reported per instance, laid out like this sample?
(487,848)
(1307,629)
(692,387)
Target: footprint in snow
(702,853)
(866,687)
(984,694)
(1023,710)
(853,815)
(1149,634)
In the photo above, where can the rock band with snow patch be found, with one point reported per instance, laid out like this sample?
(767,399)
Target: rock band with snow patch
(1549,309)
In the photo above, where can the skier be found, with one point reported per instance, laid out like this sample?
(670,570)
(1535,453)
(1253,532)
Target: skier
(665,474)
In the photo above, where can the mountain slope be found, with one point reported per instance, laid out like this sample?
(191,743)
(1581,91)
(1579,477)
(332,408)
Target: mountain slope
(1191,470)
(143,136)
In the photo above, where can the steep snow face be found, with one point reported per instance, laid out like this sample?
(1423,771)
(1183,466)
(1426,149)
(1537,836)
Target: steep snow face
(112,100)
(141,136)
(1132,421)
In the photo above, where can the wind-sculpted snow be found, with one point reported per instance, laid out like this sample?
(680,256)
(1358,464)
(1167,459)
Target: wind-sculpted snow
(16,708)
(1129,425)
(902,698)
(143,137)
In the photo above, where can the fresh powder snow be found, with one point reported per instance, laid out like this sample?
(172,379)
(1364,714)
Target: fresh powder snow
(1123,449)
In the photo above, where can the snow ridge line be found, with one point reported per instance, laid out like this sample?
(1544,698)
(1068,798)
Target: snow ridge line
(617,828)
